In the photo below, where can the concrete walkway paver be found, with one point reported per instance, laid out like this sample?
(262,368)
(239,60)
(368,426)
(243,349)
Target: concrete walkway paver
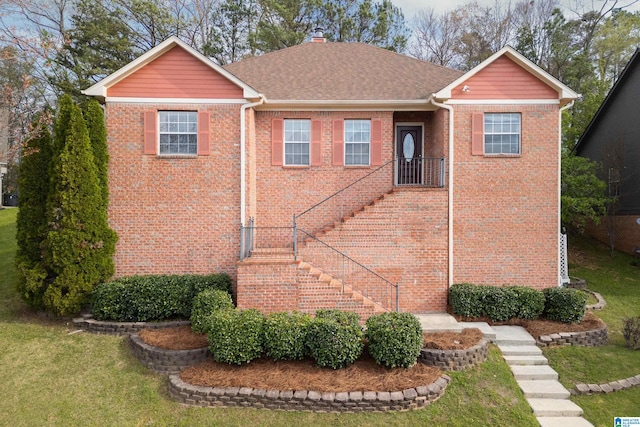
(548,399)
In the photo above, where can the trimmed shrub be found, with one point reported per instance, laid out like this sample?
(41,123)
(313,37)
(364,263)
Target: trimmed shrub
(235,336)
(564,304)
(465,300)
(334,339)
(631,332)
(497,303)
(285,335)
(152,297)
(528,302)
(204,304)
(395,339)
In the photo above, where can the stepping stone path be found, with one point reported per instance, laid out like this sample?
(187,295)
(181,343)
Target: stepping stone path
(548,399)
(537,380)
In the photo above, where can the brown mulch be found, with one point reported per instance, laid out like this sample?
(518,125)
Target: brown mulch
(179,338)
(363,375)
(542,326)
(452,340)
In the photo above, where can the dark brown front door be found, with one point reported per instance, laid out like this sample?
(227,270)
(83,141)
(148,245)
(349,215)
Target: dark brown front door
(409,167)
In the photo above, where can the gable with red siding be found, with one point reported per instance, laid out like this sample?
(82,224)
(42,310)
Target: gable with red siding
(503,79)
(176,74)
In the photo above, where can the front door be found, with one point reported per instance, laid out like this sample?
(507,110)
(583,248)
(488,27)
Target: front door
(409,167)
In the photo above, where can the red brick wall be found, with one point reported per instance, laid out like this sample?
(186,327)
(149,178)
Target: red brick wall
(174,215)
(506,208)
(627,232)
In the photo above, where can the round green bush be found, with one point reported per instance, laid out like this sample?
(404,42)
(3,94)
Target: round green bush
(334,340)
(529,302)
(235,336)
(465,300)
(498,303)
(205,303)
(395,339)
(564,304)
(285,335)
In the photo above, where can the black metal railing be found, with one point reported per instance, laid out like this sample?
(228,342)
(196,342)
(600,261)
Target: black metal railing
(350,272)
(252,237)
(420,171)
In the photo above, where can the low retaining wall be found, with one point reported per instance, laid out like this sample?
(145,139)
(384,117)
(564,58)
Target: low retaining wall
(124,328)
(592,338)
(306,400)
(166,361)
(455,360)
(607,387)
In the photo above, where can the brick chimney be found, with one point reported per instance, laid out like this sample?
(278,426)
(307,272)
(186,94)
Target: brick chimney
(318,36)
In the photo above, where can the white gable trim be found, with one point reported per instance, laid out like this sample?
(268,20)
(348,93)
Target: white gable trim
(100,89)
(565,94)
(125,100)
(502,102)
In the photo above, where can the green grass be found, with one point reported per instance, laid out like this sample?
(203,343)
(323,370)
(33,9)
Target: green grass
(618,281)
(54,378)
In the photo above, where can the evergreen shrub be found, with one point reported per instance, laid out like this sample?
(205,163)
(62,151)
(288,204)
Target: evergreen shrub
(152,297)
(466,300)
(498,303)
(335,338)
(564,304)
(395,339)
(235,336)
(204,304)
(528,302)
(285,335)
(631,332)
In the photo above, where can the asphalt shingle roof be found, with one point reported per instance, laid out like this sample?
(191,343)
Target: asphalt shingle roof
(341,71)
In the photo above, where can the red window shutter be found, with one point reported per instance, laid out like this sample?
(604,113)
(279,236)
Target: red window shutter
(150,132)
(316,143)
(277,141)
(477,134)
(338,142)
(204,134)
(376,142)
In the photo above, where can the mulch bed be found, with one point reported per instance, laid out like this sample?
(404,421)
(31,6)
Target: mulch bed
(180,338)
(452,340)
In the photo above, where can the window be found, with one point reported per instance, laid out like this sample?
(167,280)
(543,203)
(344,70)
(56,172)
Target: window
(502,133)
(178,132)
(357,138)
(297,138)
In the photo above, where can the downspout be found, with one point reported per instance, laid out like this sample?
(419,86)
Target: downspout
(243,168)
(450,189)
(569,105)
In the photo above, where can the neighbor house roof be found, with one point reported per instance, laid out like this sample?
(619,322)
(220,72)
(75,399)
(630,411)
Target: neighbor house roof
(341,71)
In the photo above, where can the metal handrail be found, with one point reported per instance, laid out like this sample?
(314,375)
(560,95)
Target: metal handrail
(343,277)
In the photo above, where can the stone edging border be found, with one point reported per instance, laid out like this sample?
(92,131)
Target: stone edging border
(593,338)
(165,361)
(455,360)
(307,400)
(599,305)
(612,386)
(123,328)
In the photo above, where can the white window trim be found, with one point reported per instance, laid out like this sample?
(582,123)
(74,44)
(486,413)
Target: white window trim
(284,143)
(160,133)
(344,139)
(484,136)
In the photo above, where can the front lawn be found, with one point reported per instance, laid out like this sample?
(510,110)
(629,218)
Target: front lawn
(618,281)
(53,376)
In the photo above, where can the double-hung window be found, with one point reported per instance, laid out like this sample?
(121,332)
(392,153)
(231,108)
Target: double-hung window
(502,133)
(178,132)
(357,140)
(297,139)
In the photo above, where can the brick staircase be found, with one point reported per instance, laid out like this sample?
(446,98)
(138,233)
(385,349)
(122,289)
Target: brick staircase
(401,236)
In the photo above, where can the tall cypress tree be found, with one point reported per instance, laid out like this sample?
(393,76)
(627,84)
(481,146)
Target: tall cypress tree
(33,183)
(94,116)
(79,245)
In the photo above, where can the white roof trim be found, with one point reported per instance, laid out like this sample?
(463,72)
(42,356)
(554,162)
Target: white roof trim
(347,105)
(100,89)
(125,100)
(502,102)
(565,94)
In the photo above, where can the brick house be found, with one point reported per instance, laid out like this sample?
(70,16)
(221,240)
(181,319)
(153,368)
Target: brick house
(335,174)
